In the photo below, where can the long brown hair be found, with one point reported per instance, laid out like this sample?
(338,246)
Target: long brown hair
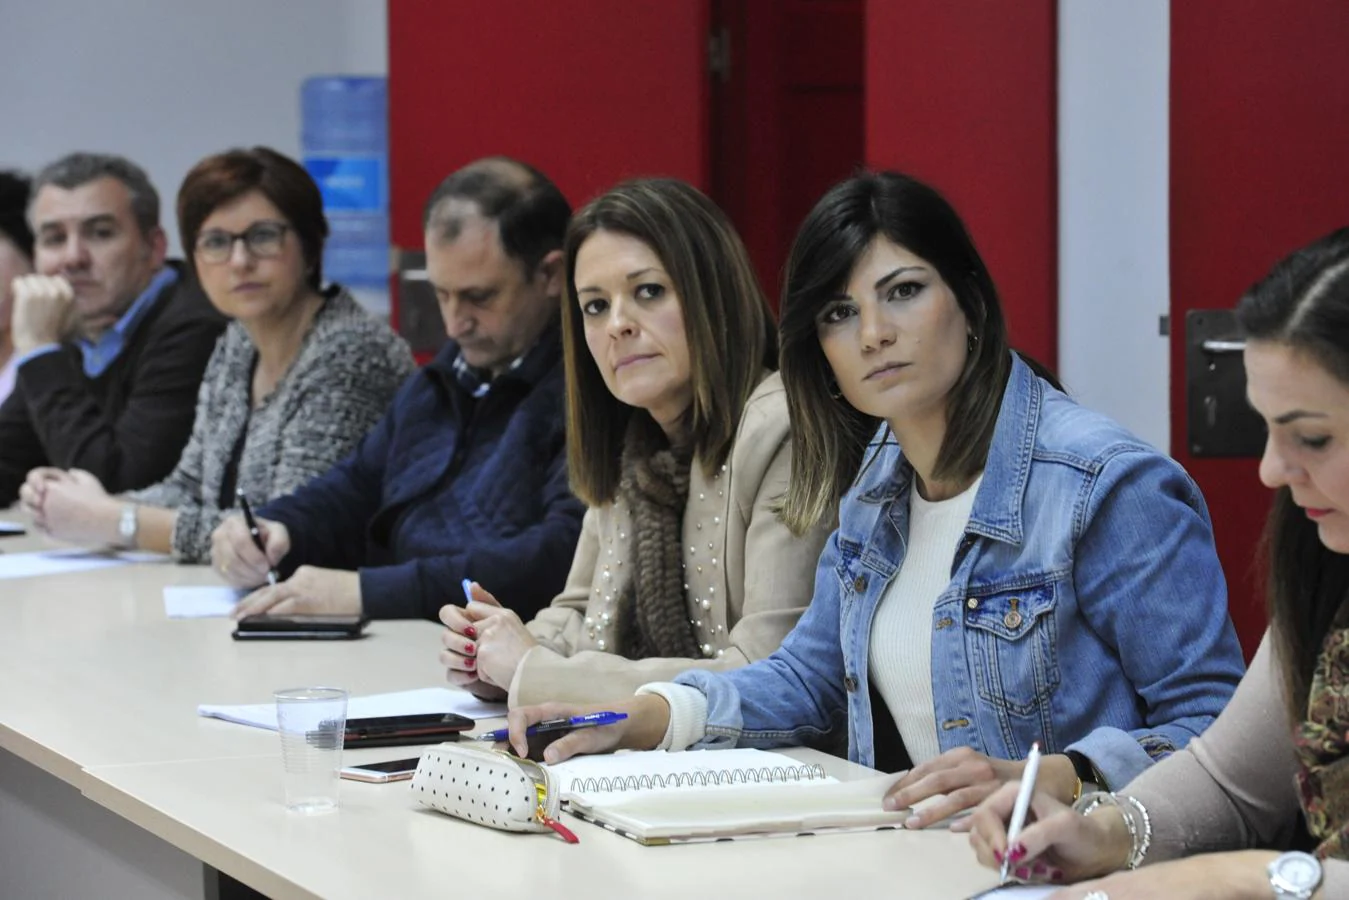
(829,435)
(1303,304)
(727,323)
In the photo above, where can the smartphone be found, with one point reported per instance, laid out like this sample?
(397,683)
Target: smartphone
(300,628)
(382,772)
(397,731)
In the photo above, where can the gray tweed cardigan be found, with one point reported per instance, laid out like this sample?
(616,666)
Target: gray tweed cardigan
(348,369)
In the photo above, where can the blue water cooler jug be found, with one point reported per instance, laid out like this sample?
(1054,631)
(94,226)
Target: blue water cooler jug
(345,144)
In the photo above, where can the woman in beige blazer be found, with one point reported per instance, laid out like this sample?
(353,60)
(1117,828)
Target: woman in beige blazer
(678,441)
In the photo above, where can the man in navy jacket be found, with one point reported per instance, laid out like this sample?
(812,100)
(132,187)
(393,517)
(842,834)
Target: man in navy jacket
(465,477)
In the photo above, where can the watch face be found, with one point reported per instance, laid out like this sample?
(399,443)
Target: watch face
(1299,871)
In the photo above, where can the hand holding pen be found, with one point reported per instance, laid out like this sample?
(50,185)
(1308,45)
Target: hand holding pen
(256,534)
(1060,845)
(1023,796)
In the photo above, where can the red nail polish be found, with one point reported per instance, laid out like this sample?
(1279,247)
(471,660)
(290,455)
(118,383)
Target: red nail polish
(1022,872)
(1039,868)
(470,663)
(997,856)
(1055,874)
(1017,852)
(470,631)
(468,648)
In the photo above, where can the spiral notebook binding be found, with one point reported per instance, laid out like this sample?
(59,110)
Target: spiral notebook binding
(710,778)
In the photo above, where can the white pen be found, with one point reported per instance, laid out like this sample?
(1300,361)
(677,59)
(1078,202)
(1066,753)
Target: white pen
(1023,796)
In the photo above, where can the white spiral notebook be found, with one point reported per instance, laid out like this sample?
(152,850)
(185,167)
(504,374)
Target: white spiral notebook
(666,798)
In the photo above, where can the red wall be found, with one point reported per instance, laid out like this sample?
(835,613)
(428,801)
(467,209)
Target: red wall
(1259,143)
(787,121)
(963,96)
(588,92)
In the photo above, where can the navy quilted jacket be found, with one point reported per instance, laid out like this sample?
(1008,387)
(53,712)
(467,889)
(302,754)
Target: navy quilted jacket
(447,487)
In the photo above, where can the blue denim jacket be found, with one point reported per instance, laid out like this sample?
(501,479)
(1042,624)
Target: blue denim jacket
(1086,607)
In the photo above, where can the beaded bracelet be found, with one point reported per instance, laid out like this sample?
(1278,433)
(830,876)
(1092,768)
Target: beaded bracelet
(1139,840)
(1141,850)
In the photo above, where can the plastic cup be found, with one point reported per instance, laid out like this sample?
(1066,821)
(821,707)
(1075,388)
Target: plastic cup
(312,722)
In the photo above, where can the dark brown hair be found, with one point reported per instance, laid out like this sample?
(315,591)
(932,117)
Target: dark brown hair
(14,192)
(225,177)
(1303,304)
(829,435)
(727,323)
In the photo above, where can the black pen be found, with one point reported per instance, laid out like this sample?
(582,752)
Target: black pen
(255,532)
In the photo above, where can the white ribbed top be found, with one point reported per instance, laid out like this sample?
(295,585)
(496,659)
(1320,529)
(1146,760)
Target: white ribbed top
(901,632)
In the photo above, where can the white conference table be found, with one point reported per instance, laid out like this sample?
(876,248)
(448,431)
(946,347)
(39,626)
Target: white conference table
(112,786)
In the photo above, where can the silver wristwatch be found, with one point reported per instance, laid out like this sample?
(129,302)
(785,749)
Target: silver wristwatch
(127,526)
(1295,875)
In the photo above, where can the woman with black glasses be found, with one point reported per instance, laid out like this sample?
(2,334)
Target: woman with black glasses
(295,381)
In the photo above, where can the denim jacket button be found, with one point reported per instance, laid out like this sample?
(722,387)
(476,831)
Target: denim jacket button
(972,603)
(1012,620)
(859,584)
(851,684)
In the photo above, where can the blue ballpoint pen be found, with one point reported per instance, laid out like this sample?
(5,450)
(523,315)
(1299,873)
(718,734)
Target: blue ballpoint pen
(590,720)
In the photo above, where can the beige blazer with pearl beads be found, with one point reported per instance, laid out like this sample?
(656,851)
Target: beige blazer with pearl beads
(748,579)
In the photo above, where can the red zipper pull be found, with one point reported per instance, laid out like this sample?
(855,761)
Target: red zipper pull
(562,830)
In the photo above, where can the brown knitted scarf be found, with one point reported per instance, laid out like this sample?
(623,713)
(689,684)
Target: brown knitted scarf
(1322,745)
(653,617)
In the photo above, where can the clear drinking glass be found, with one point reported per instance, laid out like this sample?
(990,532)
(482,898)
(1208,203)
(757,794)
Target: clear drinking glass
(311,722)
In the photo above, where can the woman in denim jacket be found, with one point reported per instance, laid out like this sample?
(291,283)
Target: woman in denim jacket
(1022,570)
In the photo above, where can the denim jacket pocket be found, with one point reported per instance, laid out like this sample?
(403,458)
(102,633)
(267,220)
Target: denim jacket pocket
(1012,639)
(853,577)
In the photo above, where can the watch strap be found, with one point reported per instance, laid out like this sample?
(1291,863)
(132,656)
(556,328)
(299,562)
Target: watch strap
(1085,771)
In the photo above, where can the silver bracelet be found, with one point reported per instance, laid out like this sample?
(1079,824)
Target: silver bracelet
(1145,841)
(1139,840)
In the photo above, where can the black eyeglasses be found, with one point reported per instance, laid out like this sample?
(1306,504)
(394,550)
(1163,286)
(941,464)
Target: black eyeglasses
(261,239)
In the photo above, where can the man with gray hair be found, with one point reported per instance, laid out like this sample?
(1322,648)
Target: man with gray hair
(110,340)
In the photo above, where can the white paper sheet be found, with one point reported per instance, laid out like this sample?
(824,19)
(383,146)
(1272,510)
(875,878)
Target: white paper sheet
(181,602)
(399,703)
(1017,892)
(60,562)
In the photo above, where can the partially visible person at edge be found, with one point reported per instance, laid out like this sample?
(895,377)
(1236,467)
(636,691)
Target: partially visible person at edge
(466,475)
(16,260)
(1234,814)
(296,380)
(1008,568)
(110,341)
(678,441)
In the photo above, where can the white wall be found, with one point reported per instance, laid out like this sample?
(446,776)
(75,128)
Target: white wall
(1114,274)
(166,82)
